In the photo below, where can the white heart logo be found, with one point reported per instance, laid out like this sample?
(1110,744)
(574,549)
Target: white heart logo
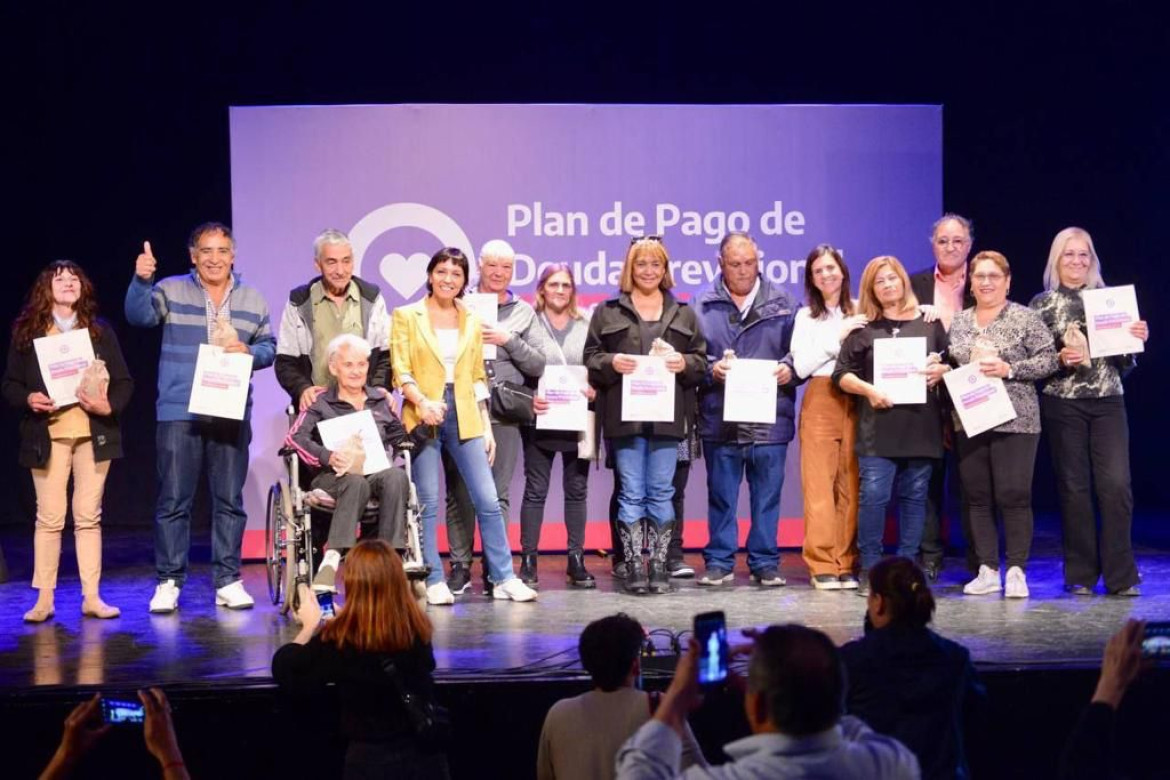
(406,275)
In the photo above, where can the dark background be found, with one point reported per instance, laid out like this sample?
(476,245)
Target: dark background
(117,129)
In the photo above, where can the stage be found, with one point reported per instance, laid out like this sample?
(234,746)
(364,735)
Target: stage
(522,655)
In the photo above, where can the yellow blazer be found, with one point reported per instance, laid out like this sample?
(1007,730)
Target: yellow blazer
(415,356)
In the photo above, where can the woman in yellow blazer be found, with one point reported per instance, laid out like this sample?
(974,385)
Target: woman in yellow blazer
(436,348)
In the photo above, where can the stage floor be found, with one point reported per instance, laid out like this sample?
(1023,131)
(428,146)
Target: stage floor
(482,638)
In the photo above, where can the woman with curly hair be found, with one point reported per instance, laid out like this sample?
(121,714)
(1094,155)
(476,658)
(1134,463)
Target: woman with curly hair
(56,442)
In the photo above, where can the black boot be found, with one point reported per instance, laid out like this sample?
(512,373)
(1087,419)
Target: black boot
(528,568)
(658,542)
(635,582)
(577,576)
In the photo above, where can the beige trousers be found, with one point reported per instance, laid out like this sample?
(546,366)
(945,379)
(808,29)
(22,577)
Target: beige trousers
(828,474)
(69,456)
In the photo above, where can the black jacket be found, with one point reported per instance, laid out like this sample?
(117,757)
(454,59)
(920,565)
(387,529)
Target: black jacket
(614,329)
(922,285)
(22,377)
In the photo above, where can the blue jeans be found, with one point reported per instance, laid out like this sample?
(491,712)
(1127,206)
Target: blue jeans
(646,465)
(877,477)
(471,461)
(726,464)
(184,447)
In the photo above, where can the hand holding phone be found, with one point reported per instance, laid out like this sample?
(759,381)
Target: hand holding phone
(711,634)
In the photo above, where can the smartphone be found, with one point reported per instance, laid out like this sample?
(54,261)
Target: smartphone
(711,633)
(1156,642)
(123,712)
(325,601)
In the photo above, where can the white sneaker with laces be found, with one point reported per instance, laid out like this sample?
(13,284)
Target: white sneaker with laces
(234,596)
(439,594)
(986,582)
(1016,584)
(514,589)
(165,599)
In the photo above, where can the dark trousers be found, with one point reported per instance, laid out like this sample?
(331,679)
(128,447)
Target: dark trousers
(352,492)
(945,497)
(1089,439)
(537,470)
(682,473)
(996,469)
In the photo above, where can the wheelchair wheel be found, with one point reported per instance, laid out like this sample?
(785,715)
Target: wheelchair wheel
(275,542)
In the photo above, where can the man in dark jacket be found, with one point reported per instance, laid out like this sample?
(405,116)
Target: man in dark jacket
(333,303)
(746,314)
(944,286)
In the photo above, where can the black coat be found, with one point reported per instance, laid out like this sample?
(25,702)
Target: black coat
(614,330)
(22,377)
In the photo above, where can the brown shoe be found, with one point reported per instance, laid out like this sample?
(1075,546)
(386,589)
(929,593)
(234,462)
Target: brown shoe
(96,608)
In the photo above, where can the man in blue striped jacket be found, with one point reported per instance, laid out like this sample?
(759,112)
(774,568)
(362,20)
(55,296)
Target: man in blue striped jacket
(188,307)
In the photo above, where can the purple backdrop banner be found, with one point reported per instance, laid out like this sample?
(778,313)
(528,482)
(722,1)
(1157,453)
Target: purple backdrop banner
(572,183)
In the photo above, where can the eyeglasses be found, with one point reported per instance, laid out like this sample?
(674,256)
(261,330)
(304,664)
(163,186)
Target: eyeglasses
(955,242)
(636,239)
(992,277)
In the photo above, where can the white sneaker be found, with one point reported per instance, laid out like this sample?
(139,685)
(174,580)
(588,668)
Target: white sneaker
(514,589)
(234,597)
(439,594)
(165,599)
(1016,584)
(986,582)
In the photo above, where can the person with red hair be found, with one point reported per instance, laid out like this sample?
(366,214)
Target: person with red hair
(376,651)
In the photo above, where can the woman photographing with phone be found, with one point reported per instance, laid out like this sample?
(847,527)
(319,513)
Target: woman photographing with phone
(377,651)
(59,442)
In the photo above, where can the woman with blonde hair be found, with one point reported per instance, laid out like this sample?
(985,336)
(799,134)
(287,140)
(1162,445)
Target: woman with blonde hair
(643,315)
(1082,407)
(1010,342)
(900,441)
(77,441)
(376,651)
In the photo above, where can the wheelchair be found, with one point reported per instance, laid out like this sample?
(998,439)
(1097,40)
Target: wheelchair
(288,530)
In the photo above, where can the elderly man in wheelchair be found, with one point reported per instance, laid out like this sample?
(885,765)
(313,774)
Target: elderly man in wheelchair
(341,472)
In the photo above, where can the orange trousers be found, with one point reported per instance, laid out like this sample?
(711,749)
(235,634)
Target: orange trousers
(828,475)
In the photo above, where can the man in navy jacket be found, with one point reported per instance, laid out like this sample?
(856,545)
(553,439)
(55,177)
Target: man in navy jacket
(745,313)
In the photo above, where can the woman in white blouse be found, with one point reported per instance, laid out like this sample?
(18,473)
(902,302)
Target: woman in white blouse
(828,419)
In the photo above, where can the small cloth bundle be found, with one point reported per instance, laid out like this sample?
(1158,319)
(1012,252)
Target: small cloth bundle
(1075,339)
(353,452)
(222,333)
(95,380)
(983,348)
(659,348)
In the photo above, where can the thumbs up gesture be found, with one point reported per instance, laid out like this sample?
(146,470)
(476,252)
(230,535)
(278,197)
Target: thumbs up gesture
(145,265)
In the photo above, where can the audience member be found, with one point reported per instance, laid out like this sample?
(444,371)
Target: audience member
(794,702)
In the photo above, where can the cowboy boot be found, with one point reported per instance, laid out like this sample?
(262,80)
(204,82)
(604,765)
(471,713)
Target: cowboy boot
(631,535)
(658,542)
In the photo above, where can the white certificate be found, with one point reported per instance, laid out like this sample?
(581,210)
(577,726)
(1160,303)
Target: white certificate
(220,388)
(487,308)
(750,391)
(648,393)
(568,408)
(1109,312)
(897,369)
(982,402)
(63,357)
(335,432)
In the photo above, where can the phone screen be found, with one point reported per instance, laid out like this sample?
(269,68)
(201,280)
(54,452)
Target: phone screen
(121,711)
(325,601)
(711,633)
(1156,643)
